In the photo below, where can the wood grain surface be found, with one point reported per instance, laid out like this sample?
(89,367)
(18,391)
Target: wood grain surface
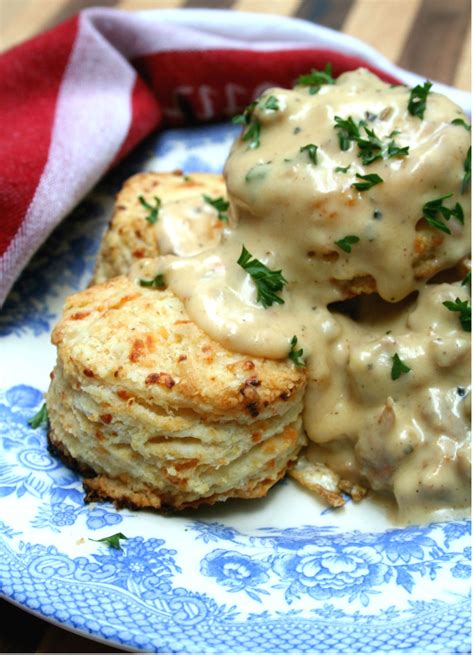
(430,37)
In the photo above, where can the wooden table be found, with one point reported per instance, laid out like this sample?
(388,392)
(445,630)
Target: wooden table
(430,37)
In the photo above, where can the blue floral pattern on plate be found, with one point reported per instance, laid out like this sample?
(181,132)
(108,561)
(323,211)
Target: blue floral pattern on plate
(245,578)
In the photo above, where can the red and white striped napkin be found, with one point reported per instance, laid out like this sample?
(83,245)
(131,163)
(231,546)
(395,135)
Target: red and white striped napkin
(76,99)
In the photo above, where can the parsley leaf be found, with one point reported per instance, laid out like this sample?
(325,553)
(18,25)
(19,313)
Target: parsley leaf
(348,131)
(467,280)
(269,104)
(398,367)
(157,282)
(370,148)
(395,151)
(460,121)
(434,207)
(312,151)
(252,134)
(295,355)
(467,171)
(40,418)
(220,205)
(152,217)
(268,282)
(113,541)
(417,100)
(464,309)
(246,116)
(315,79)
(347,242)
(342,169)
(370,181)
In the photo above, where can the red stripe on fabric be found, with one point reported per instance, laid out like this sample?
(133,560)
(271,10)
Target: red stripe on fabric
(145,117)
(30,79)
(195,86)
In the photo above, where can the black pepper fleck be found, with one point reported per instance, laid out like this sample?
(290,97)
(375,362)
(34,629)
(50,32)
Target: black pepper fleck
(297,130)
(461,391)
(377,214)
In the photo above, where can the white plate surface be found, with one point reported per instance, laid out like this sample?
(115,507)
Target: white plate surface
(282,574)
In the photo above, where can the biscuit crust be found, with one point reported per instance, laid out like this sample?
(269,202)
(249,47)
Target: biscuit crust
(163,415)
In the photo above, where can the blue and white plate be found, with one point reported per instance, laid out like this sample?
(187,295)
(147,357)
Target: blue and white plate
(282,574)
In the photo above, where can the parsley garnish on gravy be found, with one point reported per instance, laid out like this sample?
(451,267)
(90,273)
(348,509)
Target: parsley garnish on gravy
(435,207)
(467,171)
(371,147)
(269,104)
(464,309)
(158,282)
(347,242)
(296,356)
(369,181)
(252,131)
(268,282)
(40,418)
(418,97)
(316,78)
(312,151)
(153,210)
(460,121)
(220,205)
(113,541)
(398,367)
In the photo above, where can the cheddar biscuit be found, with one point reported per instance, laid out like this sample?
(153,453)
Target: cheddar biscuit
(158,214)
(160,413)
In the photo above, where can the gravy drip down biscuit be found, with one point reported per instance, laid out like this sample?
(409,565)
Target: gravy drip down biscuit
(163,415)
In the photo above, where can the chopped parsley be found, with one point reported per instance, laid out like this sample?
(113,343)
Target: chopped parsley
(268,282)
(395,151)
(113,541)
(246,116)
(316,78)
(152,216)
(347,131)
(252,131)
(398,367)
(369,181)
(342,169)
(464,309)
(220,205)
(187,178)
(460,121)
(269,104)
(467,280)
(371,147)
(434,207)
(40,418)
(157,282)
(252,134)
(417,100)
(467,171)
(312,151)
(295,355)
(347,242)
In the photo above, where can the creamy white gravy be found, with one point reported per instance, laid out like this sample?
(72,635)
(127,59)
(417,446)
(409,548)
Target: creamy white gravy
(408,436)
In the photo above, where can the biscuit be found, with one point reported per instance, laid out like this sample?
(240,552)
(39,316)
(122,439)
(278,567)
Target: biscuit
(163,415)
(131,237)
